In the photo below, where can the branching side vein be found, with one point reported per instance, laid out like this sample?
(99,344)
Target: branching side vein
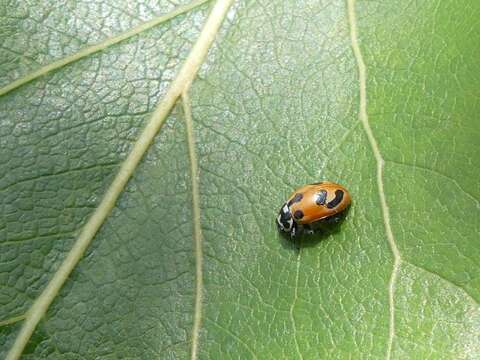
(99,47)
(197,228)
(12,320)
(292,318)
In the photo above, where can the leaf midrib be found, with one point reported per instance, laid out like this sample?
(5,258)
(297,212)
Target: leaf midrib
(179,85)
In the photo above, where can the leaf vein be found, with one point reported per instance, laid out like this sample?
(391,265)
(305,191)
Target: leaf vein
(60,173)
(460,287)
(363,116)
(228,332)
(197,227)
(292,318)
(36,238)
(185,76)
(436,172)
(100,46)
(12,320)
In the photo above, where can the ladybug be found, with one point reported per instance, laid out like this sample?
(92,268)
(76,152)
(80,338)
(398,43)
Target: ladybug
(311,205)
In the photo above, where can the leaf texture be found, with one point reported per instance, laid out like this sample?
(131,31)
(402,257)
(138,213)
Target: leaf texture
(278,103)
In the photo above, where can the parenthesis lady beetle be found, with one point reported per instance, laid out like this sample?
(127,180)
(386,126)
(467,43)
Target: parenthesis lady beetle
(312,204)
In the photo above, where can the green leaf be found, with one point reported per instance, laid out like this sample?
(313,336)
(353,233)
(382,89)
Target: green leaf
(381,97)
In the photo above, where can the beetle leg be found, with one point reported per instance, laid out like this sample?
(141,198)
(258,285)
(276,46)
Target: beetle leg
(294,231)
(308,229)
(334,219)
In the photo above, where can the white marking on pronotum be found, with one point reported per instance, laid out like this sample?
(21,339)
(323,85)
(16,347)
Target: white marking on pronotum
(185,76)
(363,116)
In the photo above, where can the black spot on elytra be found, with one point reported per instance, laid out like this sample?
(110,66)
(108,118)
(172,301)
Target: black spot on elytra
(338,198)
(297,198)
(318,183)
(321,197)
(298,214)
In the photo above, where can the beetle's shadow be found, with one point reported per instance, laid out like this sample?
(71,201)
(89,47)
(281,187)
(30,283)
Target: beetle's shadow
(323,231)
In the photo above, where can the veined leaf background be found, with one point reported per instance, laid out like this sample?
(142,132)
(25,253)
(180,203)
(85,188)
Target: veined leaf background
(380,96)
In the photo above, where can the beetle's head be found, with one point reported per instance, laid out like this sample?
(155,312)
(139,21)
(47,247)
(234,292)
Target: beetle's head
(285,221)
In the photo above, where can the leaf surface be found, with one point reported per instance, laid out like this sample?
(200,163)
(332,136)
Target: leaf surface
(277,104)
